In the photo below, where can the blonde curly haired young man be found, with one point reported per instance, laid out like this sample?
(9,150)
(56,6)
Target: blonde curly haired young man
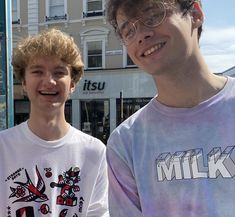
(46,165)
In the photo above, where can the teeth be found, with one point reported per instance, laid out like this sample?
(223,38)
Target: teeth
(48,92)
(155,48)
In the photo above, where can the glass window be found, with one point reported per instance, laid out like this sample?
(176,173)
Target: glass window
(21,111)
(94,5)
(56,8)
(129,61)
(95,118)
(94,54)
(68,111)
(93,8)
(126,107)
(15,12)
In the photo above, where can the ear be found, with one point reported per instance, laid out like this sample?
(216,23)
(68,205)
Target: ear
(197,15)
(23,83)
(72,86)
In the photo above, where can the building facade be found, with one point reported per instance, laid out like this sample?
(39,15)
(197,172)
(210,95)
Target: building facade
(6,78)
(112,87)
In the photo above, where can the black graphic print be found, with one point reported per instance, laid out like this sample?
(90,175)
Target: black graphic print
(68,182)
(27,191)
(28,188)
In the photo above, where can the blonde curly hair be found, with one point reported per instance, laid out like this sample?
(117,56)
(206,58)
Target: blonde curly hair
(52,42)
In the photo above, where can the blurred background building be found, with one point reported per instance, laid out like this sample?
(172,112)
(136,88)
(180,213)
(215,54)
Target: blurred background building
(112,87)
(6,78)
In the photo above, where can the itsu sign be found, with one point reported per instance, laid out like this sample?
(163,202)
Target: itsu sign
(93,87)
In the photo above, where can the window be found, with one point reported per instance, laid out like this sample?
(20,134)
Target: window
(21,111)
(94,5)
(128,106)
(95,118)
(94,54)
(93,8)
(127,61)
(15,12)
(93,42)
(56,10)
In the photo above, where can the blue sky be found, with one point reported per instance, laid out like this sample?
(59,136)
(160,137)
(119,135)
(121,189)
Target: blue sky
(218,37)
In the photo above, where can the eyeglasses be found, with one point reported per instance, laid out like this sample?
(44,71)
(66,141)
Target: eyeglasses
(151,17)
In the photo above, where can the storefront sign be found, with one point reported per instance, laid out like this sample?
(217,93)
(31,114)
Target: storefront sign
(93,87)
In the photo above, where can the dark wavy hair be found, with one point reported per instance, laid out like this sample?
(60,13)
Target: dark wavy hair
(113,6)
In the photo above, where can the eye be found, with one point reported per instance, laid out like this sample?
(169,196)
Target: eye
(60,73)
(154,19)
(36,72)
(129,33)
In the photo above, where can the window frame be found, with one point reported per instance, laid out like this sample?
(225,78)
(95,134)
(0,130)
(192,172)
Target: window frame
(125,58)
(94,34)
(17,21)
(49,18)
(95,13)
(87,41)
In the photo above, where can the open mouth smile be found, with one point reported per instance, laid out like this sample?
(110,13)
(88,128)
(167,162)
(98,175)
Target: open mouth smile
(153,49)
(48,93)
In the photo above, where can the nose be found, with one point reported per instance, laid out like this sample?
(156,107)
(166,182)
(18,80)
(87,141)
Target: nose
(143,32)
(49,79)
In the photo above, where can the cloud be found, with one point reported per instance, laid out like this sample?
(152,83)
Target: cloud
(218,47)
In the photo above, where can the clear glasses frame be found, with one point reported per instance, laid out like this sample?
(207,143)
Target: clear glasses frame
(155,17)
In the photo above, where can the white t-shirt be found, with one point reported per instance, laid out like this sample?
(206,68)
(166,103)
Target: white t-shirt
(66,177)
(175,162)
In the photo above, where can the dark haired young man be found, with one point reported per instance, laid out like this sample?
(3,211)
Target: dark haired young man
(174,157)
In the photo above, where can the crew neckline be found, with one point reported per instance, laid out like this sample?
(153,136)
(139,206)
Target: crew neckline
(179,112)
(44,143)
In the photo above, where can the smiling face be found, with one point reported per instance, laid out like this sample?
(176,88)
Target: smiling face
(167,46)
(48,84)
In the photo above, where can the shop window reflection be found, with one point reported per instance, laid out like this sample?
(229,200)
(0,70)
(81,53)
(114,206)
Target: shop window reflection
(95,118)
(127,107)
(22,110)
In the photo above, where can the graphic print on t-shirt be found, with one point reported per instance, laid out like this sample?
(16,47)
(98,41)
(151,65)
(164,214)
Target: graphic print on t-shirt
(27,191)
(192,164)
(68,182)
(24,190)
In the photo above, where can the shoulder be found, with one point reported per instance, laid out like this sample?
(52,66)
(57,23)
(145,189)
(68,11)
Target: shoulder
(132,126)
(87,142)
(138,118)
(229,89)
(230,81)
(12,132)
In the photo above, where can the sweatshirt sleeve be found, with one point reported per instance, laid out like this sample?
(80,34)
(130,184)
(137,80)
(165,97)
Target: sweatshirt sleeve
(123,194)
(99,200)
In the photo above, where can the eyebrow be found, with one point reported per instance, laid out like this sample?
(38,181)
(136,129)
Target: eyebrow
(123,25)
(36,66)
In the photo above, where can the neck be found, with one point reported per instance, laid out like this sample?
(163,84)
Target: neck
(188,86)
(47,127)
